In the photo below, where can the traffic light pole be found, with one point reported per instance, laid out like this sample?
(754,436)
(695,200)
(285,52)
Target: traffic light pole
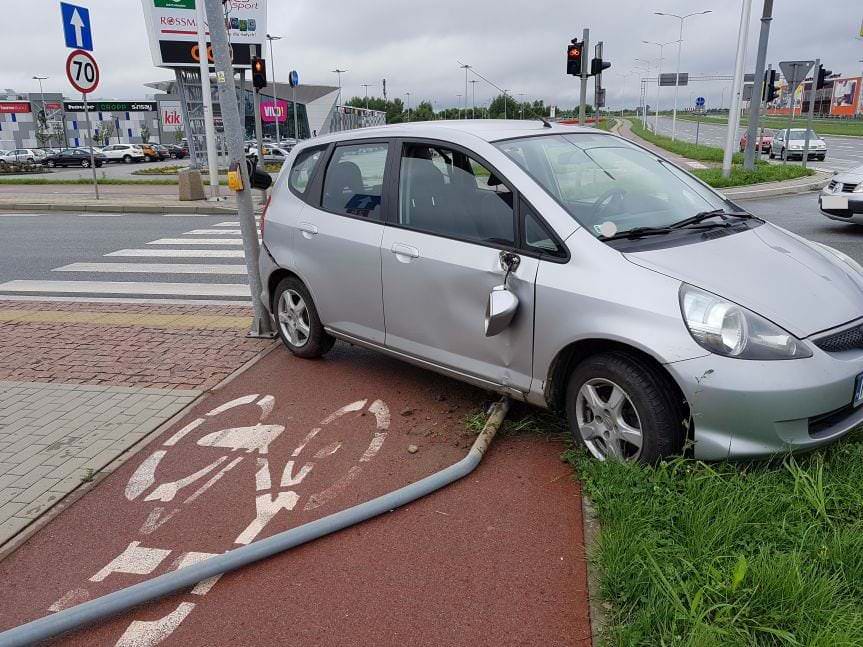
(815,76)
(235,134)
(585,70)
(753,144)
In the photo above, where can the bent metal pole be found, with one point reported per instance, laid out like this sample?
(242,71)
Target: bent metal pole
(113,603)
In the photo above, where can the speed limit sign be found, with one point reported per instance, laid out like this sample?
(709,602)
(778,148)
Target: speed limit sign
(82,71)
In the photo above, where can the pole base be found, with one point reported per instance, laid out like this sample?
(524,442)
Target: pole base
(262,329)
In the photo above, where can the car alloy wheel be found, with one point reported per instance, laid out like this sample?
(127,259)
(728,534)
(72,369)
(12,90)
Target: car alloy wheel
(608,421)
(51,164)
(127,159)
(85,163)
(293,316)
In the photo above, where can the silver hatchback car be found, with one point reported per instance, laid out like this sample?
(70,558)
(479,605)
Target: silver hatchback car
(570,269)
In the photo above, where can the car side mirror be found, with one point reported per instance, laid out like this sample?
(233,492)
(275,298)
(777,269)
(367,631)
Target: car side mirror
(500,310)
(257,178)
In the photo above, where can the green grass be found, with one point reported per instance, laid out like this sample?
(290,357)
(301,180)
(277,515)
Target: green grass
(741,177)
(606,123)
(698,152)
(853,127)
(749,555)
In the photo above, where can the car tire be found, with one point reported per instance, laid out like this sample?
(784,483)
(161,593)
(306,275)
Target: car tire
(127,159)
(85,163)
(648,410)
(297,321)
(51,163)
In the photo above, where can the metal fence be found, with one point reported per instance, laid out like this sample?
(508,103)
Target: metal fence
(349,118)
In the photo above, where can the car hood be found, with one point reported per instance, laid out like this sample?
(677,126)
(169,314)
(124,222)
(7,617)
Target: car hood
(802,142)
(774,273)
(854,176)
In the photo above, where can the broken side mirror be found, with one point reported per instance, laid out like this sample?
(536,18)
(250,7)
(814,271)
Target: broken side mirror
(500,310)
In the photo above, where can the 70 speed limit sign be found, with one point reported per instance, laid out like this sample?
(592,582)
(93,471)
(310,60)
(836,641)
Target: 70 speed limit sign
(82,71)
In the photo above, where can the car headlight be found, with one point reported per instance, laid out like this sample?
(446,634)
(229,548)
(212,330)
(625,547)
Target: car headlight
(795,146)
(727,329)
(859,188)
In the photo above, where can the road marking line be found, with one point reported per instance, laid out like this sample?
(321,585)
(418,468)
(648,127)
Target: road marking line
(180,253)
(197,241)
(229,223)
(124,287)
(212,232)
(153,301)
(190,215)
(153,268)
(147,633)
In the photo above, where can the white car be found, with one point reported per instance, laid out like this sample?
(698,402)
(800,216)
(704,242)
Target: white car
(32,155)
(126,153)
(790,143)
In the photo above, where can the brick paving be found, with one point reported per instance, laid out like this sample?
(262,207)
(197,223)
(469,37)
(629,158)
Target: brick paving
(53,437)
(81,383)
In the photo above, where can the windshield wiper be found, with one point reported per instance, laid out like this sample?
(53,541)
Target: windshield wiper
(715,213)
(638,232)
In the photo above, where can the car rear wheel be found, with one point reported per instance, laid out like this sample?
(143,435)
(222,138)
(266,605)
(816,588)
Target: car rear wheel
(51,163)
(297,321)
(85,163)
(127,159)
(621,408)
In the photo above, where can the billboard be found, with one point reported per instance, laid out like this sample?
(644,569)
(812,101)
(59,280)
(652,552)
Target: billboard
(7,107)
(272,111)
(845,101)
(171,115)
(172,28)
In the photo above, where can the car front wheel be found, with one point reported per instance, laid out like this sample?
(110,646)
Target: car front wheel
(85,163)
(622,408)
(297,321)
(51,163)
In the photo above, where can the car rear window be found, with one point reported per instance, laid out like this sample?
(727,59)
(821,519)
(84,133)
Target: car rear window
(304,167)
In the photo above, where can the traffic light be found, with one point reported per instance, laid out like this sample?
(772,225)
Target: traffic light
(770,92)
(573,58)
(823,73)
(597,65)
(259,73)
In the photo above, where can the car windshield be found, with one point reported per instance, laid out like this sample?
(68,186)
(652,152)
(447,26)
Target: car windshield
(801,134)
(608,185)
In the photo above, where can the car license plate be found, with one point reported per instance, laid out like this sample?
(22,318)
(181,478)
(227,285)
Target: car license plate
(834,202)
(858,391)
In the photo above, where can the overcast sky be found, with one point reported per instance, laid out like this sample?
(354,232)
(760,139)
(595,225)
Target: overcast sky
(518,45)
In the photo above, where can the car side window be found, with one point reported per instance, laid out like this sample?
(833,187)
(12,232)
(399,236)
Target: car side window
(537,237)
(304,166)
(445,191)
(353,185)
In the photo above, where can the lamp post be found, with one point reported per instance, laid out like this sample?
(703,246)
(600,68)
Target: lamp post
(505,91)
(367,86)
(473,83)
(646,69)
(458,103)
(339,73)
(521,96)
(275,91)
(679,48)
(408,95)
(658,76)
(42,99)
(466,69)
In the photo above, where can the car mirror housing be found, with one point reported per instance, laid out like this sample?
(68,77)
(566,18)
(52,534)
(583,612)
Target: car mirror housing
(500,310)
(257,178)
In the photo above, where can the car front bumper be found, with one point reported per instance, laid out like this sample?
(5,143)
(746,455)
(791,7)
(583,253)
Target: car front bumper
(854,212)
(749,409)
(813,154)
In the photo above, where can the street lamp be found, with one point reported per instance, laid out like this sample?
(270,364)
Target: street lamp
(679,48)
(658,76)
(339,72)
(42,98)
(521,95)
(466,69)
(473,83)
(458,103)
(367,86)
(505,91)
(408,95)
(643,91)
(275,91)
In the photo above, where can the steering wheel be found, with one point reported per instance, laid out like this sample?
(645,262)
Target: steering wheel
(612,197)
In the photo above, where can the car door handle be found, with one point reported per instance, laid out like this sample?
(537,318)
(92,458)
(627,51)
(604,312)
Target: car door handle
(308,229)
(404,252)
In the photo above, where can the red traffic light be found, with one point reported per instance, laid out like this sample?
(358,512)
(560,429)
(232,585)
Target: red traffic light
(574,51)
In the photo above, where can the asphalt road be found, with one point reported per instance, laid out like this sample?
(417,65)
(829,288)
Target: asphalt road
(842,152)
(114,170)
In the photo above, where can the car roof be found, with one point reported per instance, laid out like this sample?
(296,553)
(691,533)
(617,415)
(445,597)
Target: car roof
(489,130)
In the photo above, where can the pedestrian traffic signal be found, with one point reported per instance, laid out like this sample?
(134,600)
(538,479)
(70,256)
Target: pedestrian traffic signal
(770,91)
(597,65)
(259,73)
(573,58)
(822,77)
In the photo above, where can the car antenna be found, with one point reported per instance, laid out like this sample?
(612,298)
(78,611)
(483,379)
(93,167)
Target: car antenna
(545,123)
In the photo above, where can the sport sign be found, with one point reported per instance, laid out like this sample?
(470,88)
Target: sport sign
(82,71)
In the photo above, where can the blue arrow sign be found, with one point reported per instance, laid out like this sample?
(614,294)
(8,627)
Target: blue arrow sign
(699,102)
(76,27)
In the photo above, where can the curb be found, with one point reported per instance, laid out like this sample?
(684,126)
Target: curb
(822,178)
(116,208)
(591,529)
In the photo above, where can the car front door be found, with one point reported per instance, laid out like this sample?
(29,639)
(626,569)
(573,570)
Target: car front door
(338,237)
(442,256)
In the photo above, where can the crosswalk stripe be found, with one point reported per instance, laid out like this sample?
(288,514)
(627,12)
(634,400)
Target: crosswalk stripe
(179,253)
(153,268)
(197,241)
(212,232)
(230,223)
(124,287)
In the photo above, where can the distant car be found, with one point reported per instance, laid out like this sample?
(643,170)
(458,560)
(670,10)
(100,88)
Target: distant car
(271,154)
(32,155)
(178,152)
(789,143)
(163,151)
(842,198)
(765,142)
(126,153)
(74,157)
(151,153)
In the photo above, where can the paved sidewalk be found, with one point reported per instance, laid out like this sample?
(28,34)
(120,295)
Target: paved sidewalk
(81,383)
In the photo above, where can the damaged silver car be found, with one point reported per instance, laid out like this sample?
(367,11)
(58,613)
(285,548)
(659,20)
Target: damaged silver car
(573,270)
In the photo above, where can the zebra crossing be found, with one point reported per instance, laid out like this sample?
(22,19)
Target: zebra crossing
(199,266)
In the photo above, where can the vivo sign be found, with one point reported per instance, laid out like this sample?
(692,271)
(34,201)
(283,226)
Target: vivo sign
(274,111)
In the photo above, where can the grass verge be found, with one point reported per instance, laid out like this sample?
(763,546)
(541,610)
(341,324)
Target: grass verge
(731,554)
(606,124)
(698,152)
(742,177)
(822,126)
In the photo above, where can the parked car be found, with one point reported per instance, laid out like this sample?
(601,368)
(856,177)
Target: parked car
(271,154)
(126,153)
(566,268)
(74,157)
(32,155)
(163,151)
(788,144)
(765,141)
(842,198)
(151,153)
(178,152)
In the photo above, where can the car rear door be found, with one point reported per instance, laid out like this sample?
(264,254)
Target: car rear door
(441,256)
(338,235)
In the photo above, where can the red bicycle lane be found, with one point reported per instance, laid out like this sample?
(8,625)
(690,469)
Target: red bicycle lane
(494,559)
